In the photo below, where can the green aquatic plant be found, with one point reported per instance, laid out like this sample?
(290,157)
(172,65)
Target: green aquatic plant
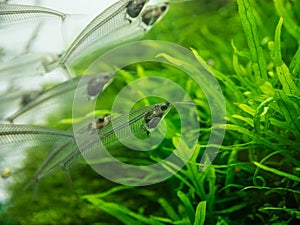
(252,47)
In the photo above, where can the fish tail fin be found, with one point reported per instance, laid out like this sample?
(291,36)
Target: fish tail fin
(66,70)
(67,175)
(10,119)
(35,191)
(34,182)
(70,27)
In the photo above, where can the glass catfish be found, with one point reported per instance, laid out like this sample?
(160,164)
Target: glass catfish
(13,13)
(122,21)
(117,15)
(104,131)
(91,86)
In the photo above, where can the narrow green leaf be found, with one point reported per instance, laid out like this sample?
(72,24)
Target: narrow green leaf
(288,210)
(230,170)
(200,213)
(280,124)
(112,209)
(289,22)
(290,110)
(233,208)
(162,219)
(277,44)
(260,111)
(247,109)
(106,193)
(237,66)
(126,215)
(221,221)
(79,119)
(233,127)
(245,119)
(279,189)
(246,12)
(211,177)
(244,54)
(235,93)
(172,59)
(284,75)
(182,222)
(187,205)
(267,89)
(278,172)
(295,63)
(200,59)
(168,209)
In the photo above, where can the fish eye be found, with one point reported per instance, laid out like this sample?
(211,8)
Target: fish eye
(164,107)
(100,120)
(163,8)
(106,76)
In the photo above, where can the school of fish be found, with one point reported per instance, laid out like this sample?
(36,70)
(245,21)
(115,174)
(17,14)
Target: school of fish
(123,21)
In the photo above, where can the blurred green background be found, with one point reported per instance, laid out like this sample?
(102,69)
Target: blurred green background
(255,178)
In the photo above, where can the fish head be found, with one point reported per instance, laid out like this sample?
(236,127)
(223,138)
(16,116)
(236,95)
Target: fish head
(100,122)
(156,114)
(96,84)
(153,14)
(134,7)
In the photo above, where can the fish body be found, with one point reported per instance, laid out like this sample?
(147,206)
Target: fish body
(26,65)
(13,99)
(127,30)
(116,16)
(123,21)
(139,123)
(153,14)
(105,129)
(63,148)
(19,133)
(12,13)
(94,85)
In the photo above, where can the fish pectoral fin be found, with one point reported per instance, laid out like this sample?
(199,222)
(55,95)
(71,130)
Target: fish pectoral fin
(67,175)
(35,183)
(144,134)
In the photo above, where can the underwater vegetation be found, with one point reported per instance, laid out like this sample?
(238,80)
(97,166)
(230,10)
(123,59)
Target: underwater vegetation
(250,47)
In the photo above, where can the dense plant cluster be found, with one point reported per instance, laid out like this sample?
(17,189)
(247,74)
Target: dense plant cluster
(252,48)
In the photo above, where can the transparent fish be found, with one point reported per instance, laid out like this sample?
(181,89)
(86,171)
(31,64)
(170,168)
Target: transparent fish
(26,65)
(29,97)
(141,123)
(153,14)
(15,139)
(117,15)
(2,53)
(128,31)
(142,120)
(123,21)
(92,87)
(12,13)
(134,7)
(64,148)
(20,133)
(13,99)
